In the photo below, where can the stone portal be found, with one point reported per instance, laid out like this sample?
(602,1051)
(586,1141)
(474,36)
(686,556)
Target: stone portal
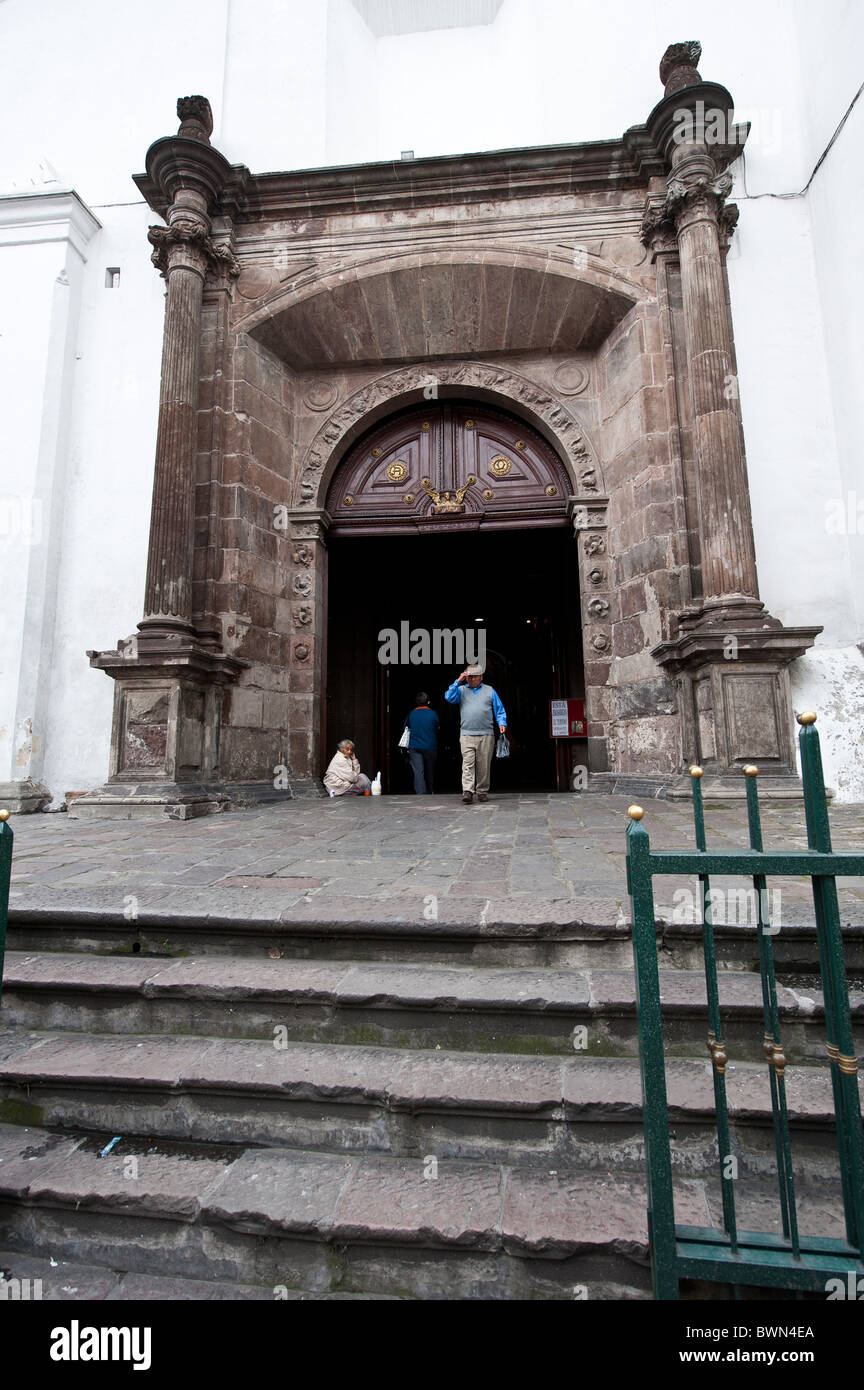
(581,291)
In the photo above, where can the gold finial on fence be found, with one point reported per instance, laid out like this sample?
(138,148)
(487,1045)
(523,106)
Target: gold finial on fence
(4,815)
(775,1055)
(719,1055)
(635,812)
(751,770)
(808,717)
(695,771)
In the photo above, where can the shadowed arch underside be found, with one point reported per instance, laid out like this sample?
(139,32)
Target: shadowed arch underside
(441,307)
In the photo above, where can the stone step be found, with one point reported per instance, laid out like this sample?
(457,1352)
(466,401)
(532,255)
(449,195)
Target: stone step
(416,1006)
(358,1224)
(29,1278)
(514,932)
(579,1110)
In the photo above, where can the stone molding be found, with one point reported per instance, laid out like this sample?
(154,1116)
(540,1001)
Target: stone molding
(546,171)
(28,219)
(405,387)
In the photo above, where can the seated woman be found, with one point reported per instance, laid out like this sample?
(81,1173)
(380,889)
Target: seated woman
(343,777)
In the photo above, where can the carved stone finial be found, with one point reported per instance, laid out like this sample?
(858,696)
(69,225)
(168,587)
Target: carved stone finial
(678,66)
(196,118)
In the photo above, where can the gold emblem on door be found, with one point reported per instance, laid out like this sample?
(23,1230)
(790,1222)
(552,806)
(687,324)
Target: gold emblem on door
(397,471)
(500,466)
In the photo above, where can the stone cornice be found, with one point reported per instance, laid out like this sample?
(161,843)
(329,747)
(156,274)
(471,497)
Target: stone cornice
(693,650)
(499,176)
(175,163)
(27,219)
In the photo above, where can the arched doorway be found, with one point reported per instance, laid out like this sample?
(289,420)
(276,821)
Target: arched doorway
(450,535)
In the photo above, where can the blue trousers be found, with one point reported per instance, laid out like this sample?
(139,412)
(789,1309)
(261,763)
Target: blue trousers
(422,762)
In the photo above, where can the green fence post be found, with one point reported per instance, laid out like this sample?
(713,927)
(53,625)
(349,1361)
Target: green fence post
(716,1045)
(772,1043)
(6,839)
(652,1064)
(838,1023)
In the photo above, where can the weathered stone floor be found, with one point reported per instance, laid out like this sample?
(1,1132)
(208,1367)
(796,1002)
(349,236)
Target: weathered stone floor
(559,856)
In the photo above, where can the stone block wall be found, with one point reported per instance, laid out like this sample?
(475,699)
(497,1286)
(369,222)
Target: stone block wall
(249,591)
(647,548)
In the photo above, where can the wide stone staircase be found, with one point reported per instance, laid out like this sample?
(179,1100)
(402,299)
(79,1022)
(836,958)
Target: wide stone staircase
(399,1110)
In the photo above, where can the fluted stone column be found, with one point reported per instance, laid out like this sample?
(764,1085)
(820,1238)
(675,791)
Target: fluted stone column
(180,254)
(169,676)
(731,655)
(728,553)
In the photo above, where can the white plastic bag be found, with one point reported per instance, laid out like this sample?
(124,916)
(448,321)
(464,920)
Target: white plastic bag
(405,740)
(376,786)
(502,748)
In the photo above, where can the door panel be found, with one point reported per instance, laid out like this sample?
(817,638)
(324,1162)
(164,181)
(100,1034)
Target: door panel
(452,465)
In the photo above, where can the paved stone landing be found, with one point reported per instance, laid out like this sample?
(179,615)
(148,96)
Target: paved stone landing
(519,859)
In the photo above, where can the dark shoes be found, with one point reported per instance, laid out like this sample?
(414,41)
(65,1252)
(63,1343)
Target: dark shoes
(482,796)
(467,798)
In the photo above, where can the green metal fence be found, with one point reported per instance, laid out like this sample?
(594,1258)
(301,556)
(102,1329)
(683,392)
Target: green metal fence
(6,838)
(730,1255)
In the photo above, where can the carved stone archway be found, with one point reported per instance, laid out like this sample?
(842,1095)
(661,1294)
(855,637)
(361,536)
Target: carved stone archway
(587,508)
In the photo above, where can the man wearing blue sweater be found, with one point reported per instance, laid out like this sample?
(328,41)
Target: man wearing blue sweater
(480,710)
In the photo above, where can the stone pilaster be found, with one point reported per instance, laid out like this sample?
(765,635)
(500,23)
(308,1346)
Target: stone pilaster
(181,256)
(731,656)
(308,661)
(169,677)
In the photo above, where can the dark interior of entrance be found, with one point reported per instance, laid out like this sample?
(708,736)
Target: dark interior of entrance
(520,587)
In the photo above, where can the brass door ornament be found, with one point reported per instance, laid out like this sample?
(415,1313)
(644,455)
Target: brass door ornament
(448,501)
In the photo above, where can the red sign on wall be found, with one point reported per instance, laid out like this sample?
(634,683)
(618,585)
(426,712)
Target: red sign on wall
(567,719)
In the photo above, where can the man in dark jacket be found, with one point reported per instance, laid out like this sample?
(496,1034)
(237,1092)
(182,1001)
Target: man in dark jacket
(423,748)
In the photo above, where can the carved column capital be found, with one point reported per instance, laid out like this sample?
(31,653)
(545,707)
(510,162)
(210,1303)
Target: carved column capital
(658,225)
(224,266)
(186,242)
(695,193)
(179,245)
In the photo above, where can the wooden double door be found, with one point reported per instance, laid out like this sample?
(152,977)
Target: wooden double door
(452,464)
